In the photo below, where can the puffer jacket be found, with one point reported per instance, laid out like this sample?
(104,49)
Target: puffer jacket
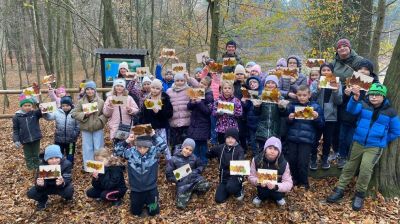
(304,131)
(113,113)
(344,68)
(67,128)
(26,127)
(286,87)
(376,127)
(200,122)
(329,100)
(225,121)
(93,122)
(269,121)
(188,182)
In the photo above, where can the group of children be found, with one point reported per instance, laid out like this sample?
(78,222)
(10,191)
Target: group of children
(182,127)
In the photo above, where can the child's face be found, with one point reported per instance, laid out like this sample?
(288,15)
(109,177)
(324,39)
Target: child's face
(155,91)
(325,70)
(271,153)
(254,73)
(168,76)
(303,96)
(146,86)
(101,159)
(204,84)
(227,90)
(364,71)
(187,151)
(61,94)
(239,77)
(314,75)
(197,75)
(270,85)
(376,100)
(119,89)
(180,82)
(142,150)
(27,107)
(254,84)
(230,141)
(292,63)
(65,107)
(90,92)
(54,161)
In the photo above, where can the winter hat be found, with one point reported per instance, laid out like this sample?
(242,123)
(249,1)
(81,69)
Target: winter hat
(250,64)
(66,100)
(189,142)
(281,62)
(90,84)
(232,132)
(274,141)
(179,76)
(240,69)
(123,65)
(256,79)
(120,82)
(197,70)
(231,42)
(329,65)
(344,42)
(61,90)
(146,79)
(52,151)
(377,89)
(256,68)
(296,58)
(144,141)
(25,100)
(156,83)
(366,64)
(272,78)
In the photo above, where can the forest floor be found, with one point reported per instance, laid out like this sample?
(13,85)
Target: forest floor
(302,206)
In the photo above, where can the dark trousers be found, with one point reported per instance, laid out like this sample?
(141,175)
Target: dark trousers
(107,195)
(149,198)
(200,150)
(177,136)
(252,141)
(298,156)
(232,186)
(68,150)
(345,140)
(264,193)
(41,194)
(328,132)
(242,133)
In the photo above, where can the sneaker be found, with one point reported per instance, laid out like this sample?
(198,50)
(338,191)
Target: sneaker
(325,165)
(41,205)
(333,156)
(313,165)
(341,163)
(281,202)
(116,203)
(257,202)
(241,196)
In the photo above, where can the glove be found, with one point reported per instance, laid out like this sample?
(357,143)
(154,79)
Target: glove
(17,145)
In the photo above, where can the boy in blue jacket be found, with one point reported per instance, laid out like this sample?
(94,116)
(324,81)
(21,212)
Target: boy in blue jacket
(142,170)
(378,125)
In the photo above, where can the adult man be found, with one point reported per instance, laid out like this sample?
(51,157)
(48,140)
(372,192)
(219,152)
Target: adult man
(346,60)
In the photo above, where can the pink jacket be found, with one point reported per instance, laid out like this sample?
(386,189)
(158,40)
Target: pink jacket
(215,82)
(284,186)
(112,112)
(54,97)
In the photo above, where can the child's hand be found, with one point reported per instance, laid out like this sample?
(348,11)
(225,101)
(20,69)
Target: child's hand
(291,116)
(257,103)
(263,184)
(315,114)
(59,181)
(49,86)
(131,138)
(356,91)
(347,91)
(129,110)
(155,110)
(270,185)
(40,182)
(95,174)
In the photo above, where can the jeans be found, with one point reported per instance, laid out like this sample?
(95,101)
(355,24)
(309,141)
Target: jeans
(200,151)
(91,142)
(345,139)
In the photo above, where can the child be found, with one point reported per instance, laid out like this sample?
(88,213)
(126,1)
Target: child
(329,99)
(26,131)
(240,82)
(378,125)
(119,114)
(269,115)
(109,186)
(194,182)
(67,128)
(200,122)
(61,186)
(271,159)
(289,86)
(301,136)
(91,124)
(142,170)
(56,94)
(146,82)
(230,150)
(180,120)
(313,76)
(158,118)
(197,73)
(347,120)
(224,120)
(255,71)
(168,78)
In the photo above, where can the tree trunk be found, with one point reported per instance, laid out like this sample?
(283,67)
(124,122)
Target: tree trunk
(214,39)
(57,48)
(152,37)
(365,28)
(387,172)
(137,24)
(28,47)
(69,56)
(376,37)
(50,35)
(109,27)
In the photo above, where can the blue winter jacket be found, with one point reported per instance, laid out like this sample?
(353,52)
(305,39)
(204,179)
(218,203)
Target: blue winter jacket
(378,130)
(67,128)
(166,85)
(142,169)
(304,131)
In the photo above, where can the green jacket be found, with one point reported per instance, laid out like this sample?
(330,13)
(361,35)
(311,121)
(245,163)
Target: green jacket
(93,122)
(269,122)
(345,68)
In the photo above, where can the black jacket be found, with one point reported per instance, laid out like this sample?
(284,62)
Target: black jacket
(112,179)
(160,119)
(26,126)
(66,168)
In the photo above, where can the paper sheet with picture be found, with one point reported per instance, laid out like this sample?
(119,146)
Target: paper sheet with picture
(239,167)
(196,93)
(231,61)
(304,113)
(270,96)
(31,91)
(267,175)
(49,171)
(49,107)
(202,57)
(286,72)
(179,67)
(49,79)
(142,129)
(315,62)
(93,165)
(364,81)
(254,97)
(89,108)
(182,171)
(228,77)
(225,107)
(168,53)
(329,81)
(131,76)
(142,71)
(153,104)
(119,100)
(215,67)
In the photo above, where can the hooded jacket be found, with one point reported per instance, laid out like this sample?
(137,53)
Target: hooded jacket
(158,120)
(165,84)
(328,99)
(26,127)
(67,128)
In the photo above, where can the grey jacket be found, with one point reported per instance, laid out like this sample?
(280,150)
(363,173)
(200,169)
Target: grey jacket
(67,128)
(286,87)
(328,99)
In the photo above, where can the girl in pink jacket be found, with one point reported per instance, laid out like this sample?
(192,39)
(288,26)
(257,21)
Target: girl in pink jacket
(271,159)
(119,113)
